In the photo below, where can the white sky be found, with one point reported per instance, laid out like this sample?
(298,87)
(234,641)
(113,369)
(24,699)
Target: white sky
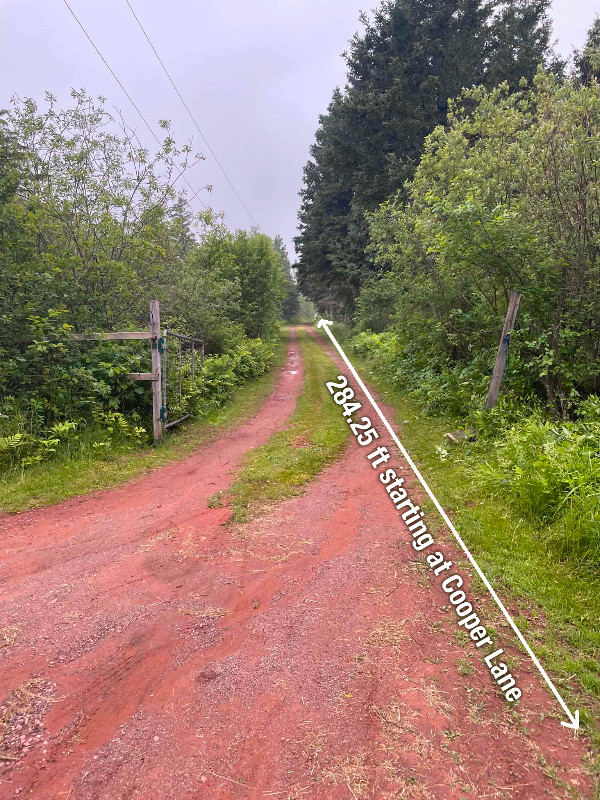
(256,74)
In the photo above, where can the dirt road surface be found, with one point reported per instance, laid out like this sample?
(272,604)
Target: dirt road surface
(150,651)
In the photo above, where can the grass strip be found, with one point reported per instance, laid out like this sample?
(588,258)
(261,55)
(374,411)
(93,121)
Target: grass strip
(316,434)
(54,481)
(556,602)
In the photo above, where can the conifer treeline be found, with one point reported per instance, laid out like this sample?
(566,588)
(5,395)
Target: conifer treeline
(411,58)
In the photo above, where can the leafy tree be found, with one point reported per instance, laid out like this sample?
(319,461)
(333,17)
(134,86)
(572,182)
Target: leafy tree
(10,162)
(92,226)
(260,274)
(205,294)
(505,198)
(102,204)
(376,304)
(411,58)
(183,227)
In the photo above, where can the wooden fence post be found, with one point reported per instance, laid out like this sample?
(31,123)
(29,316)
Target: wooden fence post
(509,322)
(157,425)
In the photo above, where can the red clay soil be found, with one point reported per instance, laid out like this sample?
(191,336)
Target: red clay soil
(152,652)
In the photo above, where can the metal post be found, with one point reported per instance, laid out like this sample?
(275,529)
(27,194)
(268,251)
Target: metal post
(202,371)
(157,427)
(163,357)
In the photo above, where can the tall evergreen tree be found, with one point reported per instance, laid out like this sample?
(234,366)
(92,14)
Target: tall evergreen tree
(520,39)
(11,162)
(291,301)
(587,60)
(183,222)
(411,58)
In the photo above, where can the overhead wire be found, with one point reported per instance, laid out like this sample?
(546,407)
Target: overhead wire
(192,117)
(126,93)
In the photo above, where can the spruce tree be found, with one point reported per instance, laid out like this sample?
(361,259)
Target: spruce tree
(410,59)
(587,60)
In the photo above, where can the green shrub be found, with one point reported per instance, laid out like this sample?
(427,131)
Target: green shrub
(548,470)
(502,199)
(438,385)
(21,448)
(85,402)
(223,373)
(551,472)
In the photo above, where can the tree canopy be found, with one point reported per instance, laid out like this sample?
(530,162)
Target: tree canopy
(93,226)
(505,197)
(412,57)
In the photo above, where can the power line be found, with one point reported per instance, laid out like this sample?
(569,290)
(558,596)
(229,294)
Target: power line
(185,105)
(124,90)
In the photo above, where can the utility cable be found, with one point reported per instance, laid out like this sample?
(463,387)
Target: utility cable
(124,90)
(192,117)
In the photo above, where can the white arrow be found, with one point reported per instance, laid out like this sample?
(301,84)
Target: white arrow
(574,723)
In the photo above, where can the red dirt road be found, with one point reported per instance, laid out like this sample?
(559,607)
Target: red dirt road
(152,652)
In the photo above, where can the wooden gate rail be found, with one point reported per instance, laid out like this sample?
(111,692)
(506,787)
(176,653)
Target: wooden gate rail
(109,337)
(155,376)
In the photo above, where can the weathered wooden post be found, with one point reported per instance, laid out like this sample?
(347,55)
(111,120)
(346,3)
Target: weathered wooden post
(155,376)
(157,425)
(514,301)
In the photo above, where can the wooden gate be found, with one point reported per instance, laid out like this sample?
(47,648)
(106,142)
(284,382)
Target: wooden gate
(160,366)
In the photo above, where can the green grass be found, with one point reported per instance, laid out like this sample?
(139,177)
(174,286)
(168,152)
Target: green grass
(58,480)
(316,434)
(556,603)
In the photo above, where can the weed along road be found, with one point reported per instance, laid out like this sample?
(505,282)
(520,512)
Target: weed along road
(154,647)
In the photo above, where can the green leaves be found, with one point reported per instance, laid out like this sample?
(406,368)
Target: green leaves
(91,228)
(504,199)
(552,473)
(402,71)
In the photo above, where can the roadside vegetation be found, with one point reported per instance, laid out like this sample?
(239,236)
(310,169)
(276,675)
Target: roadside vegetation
(315,435)
(503,197)
(93,226)
(70,473)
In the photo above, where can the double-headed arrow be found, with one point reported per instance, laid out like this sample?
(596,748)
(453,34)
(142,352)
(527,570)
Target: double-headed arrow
(574,718)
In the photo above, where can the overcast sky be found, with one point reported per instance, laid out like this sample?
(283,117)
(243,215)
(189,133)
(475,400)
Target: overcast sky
(255,73)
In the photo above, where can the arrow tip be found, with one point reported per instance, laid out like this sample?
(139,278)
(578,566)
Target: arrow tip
(322,323)
(574,724)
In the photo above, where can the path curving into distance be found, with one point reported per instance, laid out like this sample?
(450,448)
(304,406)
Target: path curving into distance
(306,654)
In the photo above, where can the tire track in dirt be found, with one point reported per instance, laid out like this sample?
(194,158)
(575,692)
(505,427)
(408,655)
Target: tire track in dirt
(303,655)
(93,586)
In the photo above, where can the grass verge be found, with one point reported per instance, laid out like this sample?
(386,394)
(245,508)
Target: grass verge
(58,480)
(316,434)
(556,603)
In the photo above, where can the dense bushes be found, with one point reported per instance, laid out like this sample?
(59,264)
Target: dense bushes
(98,409)
(91,228)
(222,374)
(548,470)
(436,383)
(64,396)
(506,197)
(551,472)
